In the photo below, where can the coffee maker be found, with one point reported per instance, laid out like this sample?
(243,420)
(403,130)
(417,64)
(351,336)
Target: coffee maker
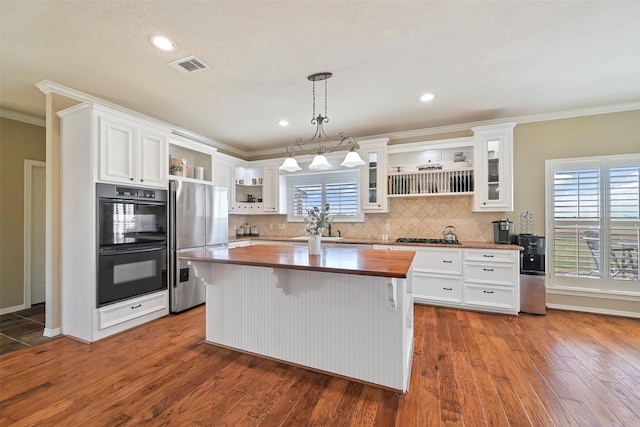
(502,231)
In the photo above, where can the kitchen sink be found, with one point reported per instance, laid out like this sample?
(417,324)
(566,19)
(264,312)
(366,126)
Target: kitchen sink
(324,238)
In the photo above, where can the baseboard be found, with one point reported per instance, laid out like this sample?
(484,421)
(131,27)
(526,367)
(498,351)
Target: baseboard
(594,310)
(8,310)
(51,332)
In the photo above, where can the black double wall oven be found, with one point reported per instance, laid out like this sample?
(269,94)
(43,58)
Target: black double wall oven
(132,242)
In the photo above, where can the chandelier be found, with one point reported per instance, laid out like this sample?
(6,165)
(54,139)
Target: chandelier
(321,143)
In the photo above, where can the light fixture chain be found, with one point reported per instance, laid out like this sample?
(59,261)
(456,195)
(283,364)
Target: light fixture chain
(325,100)
(313,116)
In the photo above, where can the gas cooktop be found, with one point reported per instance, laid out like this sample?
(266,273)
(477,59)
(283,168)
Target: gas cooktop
(419,240)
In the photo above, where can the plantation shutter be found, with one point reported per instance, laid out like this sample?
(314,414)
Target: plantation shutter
(624,214)
(576,209)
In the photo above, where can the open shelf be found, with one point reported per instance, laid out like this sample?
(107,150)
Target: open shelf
(430,182)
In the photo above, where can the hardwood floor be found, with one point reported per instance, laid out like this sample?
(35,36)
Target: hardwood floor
(471,369)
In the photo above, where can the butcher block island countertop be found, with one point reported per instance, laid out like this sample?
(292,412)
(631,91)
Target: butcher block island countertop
(363,262)
(346,312)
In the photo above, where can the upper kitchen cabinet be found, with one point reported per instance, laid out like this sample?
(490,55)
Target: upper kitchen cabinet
(373,176)
(431,168)
(494,168)
(130,149)
(256,188)
(195,158)
(224,173)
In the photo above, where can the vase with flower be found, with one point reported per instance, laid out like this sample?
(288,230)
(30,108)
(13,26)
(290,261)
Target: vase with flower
(317,220)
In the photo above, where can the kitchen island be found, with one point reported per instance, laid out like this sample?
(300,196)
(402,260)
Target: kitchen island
(348,312)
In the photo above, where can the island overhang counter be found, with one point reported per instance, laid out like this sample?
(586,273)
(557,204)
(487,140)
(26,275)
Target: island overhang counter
(348,312)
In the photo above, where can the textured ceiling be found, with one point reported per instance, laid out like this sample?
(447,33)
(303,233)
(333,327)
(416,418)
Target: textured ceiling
(484,60)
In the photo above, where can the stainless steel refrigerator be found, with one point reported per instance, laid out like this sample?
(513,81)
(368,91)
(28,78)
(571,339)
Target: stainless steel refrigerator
(198,221)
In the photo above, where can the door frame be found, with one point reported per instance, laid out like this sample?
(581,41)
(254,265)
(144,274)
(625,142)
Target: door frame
(29,165)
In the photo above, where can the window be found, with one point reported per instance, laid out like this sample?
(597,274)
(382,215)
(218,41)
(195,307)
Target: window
(339,189)
(594,234)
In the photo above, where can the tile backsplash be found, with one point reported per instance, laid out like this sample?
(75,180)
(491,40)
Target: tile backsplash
(407,217)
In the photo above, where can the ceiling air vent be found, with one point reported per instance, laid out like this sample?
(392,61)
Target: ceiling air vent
(188,65)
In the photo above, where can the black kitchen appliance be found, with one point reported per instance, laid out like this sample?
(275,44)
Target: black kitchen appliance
(532,273)
(132,242)
(502,231)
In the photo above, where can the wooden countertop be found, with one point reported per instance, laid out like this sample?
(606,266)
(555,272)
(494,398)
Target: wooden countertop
(463,244)
(363,262)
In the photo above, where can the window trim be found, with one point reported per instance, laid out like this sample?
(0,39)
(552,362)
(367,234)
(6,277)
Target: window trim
(326,177)
(587,286)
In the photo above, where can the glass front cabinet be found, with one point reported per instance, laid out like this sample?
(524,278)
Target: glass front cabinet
(494,168)
(373,177)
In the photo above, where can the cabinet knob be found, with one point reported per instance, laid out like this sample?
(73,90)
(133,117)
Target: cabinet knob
(142,180)
(131,179)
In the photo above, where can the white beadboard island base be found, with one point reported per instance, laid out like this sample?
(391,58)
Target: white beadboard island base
(355,326)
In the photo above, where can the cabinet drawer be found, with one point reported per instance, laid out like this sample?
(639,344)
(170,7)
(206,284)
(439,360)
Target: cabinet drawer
(131,309)
(437,287)
(489,296)
(486,255)
(445,261)
(495,274)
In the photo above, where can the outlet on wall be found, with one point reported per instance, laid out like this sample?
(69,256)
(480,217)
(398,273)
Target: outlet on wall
(387,227)
(270,226)
(281,227)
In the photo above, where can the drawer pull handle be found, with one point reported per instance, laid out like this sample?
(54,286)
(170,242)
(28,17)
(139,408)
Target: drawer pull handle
(447,262)
(487,256)
(488,292)
(488,269)
(448,289)
(136,306)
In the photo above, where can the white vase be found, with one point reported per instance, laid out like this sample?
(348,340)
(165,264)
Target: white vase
(314,244)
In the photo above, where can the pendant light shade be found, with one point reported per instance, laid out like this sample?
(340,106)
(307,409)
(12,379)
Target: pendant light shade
(352,159)
(320,162)
(290,165)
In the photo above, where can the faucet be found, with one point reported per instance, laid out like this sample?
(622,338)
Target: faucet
(329,228)
(339,233)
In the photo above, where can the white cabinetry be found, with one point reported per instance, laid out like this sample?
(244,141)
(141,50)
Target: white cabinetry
(410,176)
(476,279)
(373,175)
(491,280)
(256,188)
(87,134)
(437,275)
(131,150)
(494,168)
(224,175)
(193,155)
(270,188)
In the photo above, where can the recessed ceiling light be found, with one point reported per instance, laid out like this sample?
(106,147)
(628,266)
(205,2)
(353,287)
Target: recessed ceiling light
(283,123)
(427,97)
(163,43)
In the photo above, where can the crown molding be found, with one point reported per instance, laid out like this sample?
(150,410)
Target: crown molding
(21,117)
(47,86)
(438,130)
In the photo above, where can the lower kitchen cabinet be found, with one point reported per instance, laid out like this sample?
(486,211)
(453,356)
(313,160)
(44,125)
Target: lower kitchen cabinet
(133,312)
(443,288)
(475,279)
(492,280)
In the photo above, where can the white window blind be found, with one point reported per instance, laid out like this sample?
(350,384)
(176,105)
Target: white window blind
(595,206)
(339,189)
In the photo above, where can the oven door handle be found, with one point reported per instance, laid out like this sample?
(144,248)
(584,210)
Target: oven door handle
(131,251)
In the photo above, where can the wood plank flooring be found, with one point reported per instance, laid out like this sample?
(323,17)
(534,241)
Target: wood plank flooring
(469,369)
